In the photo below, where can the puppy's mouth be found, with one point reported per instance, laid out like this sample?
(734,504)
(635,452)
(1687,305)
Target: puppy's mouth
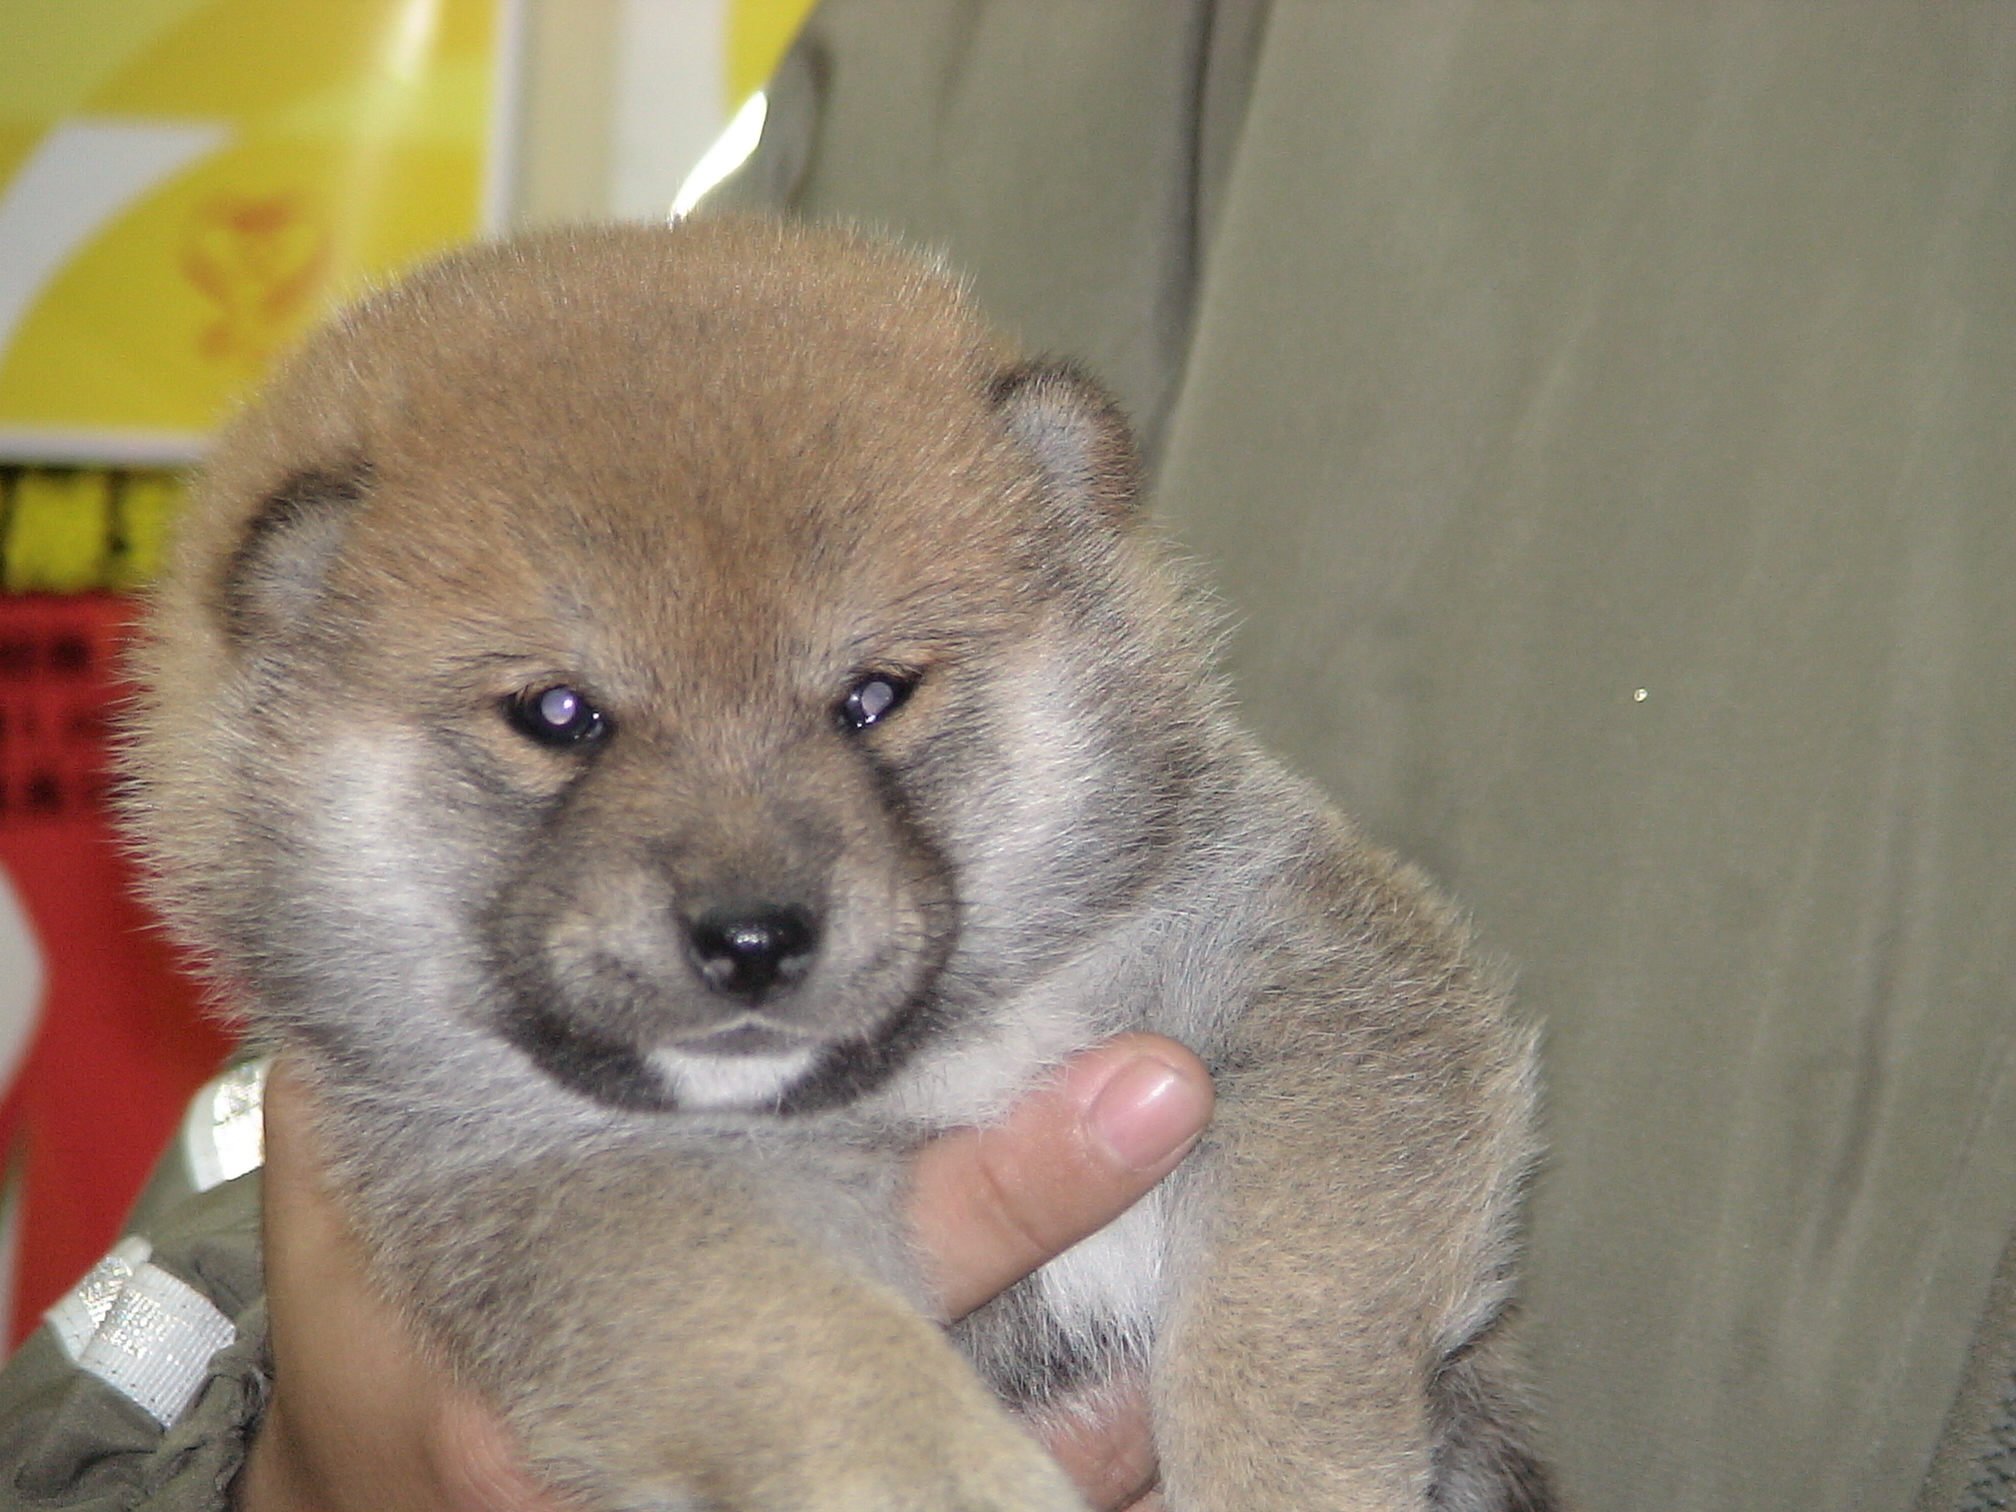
(746,1037)
(742,1080)
(745,1066)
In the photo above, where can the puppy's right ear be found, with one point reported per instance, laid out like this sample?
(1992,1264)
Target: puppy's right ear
(1078,435)
(283,557)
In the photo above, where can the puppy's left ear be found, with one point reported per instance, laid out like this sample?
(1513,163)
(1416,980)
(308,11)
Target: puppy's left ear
(1076,433)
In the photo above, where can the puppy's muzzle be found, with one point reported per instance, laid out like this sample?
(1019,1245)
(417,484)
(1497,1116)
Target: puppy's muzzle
(749,952)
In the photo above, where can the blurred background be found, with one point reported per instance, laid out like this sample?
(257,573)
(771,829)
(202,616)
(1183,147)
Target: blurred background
(185,186)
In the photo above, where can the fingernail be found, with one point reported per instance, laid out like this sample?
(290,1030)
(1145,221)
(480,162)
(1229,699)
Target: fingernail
(1147,1112)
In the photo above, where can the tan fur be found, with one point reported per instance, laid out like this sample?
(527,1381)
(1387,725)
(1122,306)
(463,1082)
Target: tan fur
(716,481)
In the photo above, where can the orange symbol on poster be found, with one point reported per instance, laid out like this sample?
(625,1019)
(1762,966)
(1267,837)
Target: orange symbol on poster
(258,260)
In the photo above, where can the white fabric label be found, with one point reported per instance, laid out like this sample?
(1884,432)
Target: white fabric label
(223,1134)
(77,1317)
(142,1331)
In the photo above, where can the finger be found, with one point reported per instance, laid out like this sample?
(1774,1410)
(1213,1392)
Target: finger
(1109,1453)
(990,1205)
(361,1416)
(477,1466)
(302,1456)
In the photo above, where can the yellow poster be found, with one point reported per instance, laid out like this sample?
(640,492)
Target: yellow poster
(185,185)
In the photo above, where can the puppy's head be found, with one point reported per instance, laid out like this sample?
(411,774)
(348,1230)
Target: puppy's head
(704,657)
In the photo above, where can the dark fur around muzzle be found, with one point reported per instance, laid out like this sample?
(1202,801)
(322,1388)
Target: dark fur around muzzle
(714,919)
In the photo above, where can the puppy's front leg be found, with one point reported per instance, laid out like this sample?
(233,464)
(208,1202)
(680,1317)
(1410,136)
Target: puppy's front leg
(656,1340)
(1343,1266)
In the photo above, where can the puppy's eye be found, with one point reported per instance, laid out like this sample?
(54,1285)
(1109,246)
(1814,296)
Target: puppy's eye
(557,716)
(873,699)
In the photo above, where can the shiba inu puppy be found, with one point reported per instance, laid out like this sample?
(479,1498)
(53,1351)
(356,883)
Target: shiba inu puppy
(662,721)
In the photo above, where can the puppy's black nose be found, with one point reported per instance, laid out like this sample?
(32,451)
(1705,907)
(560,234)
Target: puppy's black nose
(749,952)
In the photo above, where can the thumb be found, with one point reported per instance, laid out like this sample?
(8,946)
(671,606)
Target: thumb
(990,1205)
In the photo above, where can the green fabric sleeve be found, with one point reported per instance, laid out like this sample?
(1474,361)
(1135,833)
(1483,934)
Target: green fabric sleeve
(70,1441)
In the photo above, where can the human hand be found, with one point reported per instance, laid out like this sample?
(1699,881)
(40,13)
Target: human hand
(364,1419)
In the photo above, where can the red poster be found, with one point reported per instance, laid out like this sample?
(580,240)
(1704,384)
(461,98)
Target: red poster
(104,1056)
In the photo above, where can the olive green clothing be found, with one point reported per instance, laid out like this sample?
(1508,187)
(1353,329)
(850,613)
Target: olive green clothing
(1601,422)
(71,1440)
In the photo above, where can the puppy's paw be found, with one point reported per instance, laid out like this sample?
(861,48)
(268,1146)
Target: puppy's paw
(809,1398)
(957,1462)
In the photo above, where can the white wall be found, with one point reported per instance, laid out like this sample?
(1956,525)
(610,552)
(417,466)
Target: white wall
(618,100)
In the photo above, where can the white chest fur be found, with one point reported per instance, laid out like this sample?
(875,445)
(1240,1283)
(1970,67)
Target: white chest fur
(1113,1281)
